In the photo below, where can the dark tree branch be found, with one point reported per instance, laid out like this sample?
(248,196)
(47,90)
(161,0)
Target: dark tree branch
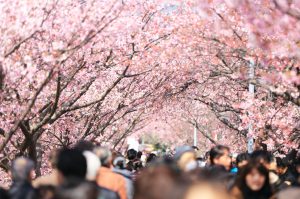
(27,110)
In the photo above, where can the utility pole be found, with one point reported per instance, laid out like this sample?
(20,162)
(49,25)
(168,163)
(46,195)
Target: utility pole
(251,91)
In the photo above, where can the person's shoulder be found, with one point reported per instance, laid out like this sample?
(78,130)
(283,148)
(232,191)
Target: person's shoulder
(115,173)
(125,173)
(107,193)
(112,176)
(50,179)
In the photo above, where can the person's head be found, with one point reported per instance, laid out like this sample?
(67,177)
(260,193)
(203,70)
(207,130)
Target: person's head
(265,158)
(119,162)
(105,156)
(205,190)
(242,159)
(152,180)
(84,145)
(220,155)
(93,165)
(129,166)
(263,146)
(195,148)
(131,154)
(186,158)
(282,165)
(254,177)
(137,165)
(71,164)
(22,169)
(150,158)
(139,155)
(187,161)
(217,175)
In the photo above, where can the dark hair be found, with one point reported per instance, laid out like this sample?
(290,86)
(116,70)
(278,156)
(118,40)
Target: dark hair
(217,152)
(151,158)
(200,159)
(241,157)
(139,154)
(129,166)
(264,147)
(195,148)
(84,145)
(215,174)
(265,192)
(261,155)
(134,165)
(137,165)
(281,163)
(72,163)
(131,154)
(119,162)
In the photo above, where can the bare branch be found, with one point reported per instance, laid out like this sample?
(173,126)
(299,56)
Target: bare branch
(202,131)
(18,45)
(291,12)
(129,129)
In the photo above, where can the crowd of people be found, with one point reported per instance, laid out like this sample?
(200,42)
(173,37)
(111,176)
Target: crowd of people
(86,171)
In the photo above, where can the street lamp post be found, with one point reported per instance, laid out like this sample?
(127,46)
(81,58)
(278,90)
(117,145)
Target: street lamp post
(251,91)
(195,135)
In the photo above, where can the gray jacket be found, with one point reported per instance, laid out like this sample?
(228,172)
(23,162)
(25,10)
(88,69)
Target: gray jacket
(128,179)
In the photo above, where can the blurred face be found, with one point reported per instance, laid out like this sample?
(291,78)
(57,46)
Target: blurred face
(224,160)
(255,180)
(281,170)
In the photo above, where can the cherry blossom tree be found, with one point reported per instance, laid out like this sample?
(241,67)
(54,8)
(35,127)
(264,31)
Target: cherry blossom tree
(226,39)
(74,70)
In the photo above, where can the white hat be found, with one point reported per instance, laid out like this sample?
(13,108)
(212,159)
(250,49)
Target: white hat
(93,164)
